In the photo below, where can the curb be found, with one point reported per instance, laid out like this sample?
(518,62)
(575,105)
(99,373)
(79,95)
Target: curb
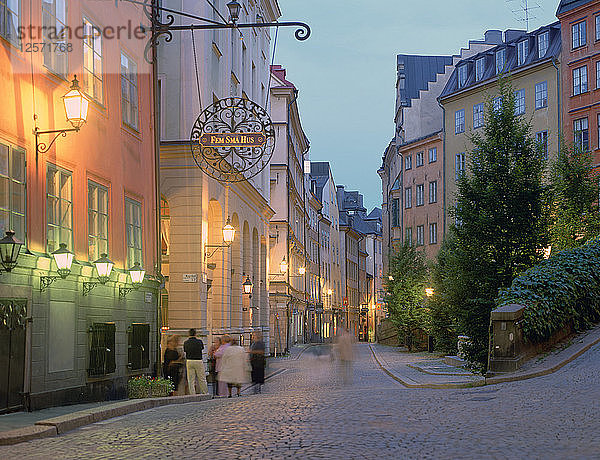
(425,385)
(59,425)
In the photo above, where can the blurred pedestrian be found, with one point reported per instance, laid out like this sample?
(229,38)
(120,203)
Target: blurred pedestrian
(257,361)
(212,365)
(173,361)
(194,365)
(345,353)
(222,384)
(234,367)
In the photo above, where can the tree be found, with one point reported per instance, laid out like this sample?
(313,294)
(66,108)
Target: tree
(574,208)
(406,289)
(501,220)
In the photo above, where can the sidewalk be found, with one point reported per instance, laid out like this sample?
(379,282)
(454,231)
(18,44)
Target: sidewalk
(422,370)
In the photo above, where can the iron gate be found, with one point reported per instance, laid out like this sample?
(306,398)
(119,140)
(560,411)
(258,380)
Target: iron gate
(13,318)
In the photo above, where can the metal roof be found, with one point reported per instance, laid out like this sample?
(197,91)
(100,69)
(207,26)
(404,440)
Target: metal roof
(568,5)
(417,72)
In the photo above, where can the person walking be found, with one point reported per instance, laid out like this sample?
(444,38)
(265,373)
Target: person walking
(194,365)
(345,351)
(212,365)
(257,361)
(225,343)
(172,364)
(234,367)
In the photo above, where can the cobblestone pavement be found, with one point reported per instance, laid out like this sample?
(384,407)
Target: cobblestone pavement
(305,412)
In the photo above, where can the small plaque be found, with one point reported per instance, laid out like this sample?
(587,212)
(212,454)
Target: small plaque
(148,297)
(190,277)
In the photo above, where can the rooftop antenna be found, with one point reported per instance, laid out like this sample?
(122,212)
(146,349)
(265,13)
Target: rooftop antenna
(523,11)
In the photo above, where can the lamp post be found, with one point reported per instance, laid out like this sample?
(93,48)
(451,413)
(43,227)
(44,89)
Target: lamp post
(136,273)
(228,237)
(64,260)
(10,247)
(104,268)
(76,109)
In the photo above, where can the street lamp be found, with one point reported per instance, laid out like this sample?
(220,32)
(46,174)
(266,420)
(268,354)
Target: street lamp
(302,270)
(76,109)
(234,11)
(283,266)
(10,247)
(64,260)
(247,285)
(136,273)
(429,292)
(104,267)
(228,237)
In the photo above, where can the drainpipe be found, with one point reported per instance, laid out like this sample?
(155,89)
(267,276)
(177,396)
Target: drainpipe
(443,165)
(558,97)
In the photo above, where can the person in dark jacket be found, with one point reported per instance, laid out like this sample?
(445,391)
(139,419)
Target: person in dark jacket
(257,361)
(194,365)
(172,361)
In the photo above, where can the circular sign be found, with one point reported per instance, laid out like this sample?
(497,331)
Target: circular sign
(233,139)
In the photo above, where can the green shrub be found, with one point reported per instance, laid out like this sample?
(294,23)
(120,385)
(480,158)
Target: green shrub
(562,290)
(147,387)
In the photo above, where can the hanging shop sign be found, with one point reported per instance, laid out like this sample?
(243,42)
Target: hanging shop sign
(233,139)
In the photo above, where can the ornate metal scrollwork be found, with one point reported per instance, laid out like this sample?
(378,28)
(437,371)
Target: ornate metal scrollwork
(158,28)
(233,116)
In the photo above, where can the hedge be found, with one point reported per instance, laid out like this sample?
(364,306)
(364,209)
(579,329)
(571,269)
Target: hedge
(562,290)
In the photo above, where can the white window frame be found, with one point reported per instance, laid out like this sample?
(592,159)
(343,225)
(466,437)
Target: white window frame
(497,103)
(598,73)
(420,195)
(92,45)
(419,159)
(578,34)
(433,192)
(55,54)
(459,121)
(420,235)
(597,20)
(6,12)
(408,198)
(459,165)
(500,63)
(134,246)
(98,216)
(14,190)
(581,133)
(478,115)
(433,233)
(541,95)
(479,68)
(432,155)
(522,51)
(129,92)
(462,75)
(408,236)
(62,199)
(543,41)
(541,137)
(520,102)
(580,83)
(408,162)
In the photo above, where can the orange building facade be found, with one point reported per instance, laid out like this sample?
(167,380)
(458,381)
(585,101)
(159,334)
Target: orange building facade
(93,190)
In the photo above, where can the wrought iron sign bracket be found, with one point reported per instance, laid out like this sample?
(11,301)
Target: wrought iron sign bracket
(124,290)
(41,147)
(89,285)
(215,248)
(46,281)
(158,28)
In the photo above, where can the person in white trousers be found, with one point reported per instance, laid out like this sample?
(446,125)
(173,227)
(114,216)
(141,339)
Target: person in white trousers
(194,365)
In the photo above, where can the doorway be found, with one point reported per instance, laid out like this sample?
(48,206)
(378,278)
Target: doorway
(13,318)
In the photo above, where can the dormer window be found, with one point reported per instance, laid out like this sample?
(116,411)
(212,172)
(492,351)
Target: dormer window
(500,60)
(543,42)
(479,68)
(522,52)
(462,75)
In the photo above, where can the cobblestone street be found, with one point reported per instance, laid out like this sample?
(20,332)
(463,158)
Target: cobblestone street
(305,412)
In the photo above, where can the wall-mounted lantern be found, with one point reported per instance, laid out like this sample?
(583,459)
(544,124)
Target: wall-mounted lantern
(10,247)
(228,237)
(136,273)
(283,266)
(247,285)
(64,260)
(104,268)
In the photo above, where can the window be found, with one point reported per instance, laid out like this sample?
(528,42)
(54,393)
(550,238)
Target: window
(459,165)
(462,75)
(520,102)
(102,349)
(129,93)
(542,141)
(581,135)
(598,130)
(92,61)
(433,192)
(420,235)
(497,103)
(420,195)
(97,221)
(459,121)
(59,208)
(478,115)
(419,159)
(433,233)
(541,95)
(408,162)
(522,51)
(10,20)
(12,190)
(479,68)
(543,43)
(408,198)
(433,155)
(138,346)
(598,27)
(402,82)
(598,74)
(133,224)
(578,34)
(409,237)
(579,80)
(54,20)
(500,60)
(395,216)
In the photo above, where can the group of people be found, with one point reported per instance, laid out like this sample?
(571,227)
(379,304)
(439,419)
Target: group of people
(229,366)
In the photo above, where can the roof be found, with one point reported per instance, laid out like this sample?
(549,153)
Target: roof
(376,213)
(280,72)
(567,5)
(417,72)
(512,37)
